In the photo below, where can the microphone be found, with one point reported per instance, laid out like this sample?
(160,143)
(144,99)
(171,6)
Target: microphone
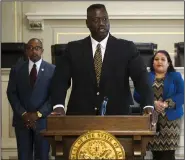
(104,106)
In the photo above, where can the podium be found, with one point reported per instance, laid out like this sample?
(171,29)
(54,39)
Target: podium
(133,132)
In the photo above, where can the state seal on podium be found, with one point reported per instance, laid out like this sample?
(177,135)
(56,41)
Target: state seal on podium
(97,144)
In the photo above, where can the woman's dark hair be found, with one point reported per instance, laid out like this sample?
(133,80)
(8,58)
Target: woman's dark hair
(170,67)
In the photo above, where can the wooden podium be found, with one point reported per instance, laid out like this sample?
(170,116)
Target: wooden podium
(133,132)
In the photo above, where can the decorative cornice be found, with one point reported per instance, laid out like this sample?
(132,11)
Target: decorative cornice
(36,24)
(118,15)
(36,20)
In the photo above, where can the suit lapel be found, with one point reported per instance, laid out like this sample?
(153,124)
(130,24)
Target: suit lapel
(25,75)
(88,58)
(152,77)
(109,52)
(40,73)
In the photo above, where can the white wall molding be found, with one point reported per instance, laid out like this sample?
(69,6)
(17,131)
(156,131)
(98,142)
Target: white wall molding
(118,15)
(36,20)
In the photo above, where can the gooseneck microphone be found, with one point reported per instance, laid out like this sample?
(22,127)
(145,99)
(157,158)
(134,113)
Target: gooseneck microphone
(103,106)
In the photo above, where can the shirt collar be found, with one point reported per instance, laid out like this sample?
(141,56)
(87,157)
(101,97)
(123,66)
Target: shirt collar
(38,63)
(103,43)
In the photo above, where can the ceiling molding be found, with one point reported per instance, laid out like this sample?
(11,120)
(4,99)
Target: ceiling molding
(119,15)
(36,20)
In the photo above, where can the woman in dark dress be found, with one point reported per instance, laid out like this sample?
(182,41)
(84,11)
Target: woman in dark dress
(168,87)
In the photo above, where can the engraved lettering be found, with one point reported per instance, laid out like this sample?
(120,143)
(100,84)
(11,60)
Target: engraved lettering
(97,145)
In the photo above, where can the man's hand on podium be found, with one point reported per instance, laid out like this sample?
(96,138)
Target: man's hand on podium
(148,110)
(58,111)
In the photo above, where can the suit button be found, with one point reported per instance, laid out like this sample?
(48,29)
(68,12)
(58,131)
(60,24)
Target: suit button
(98,93)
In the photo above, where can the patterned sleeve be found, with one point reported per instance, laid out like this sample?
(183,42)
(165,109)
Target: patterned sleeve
(170,102)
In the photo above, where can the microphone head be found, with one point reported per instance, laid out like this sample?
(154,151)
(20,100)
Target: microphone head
(106,99)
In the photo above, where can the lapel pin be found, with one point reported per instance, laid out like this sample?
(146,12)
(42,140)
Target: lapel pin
(42,69)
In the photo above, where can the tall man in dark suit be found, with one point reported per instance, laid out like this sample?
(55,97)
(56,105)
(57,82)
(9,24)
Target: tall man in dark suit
(28,94)
(100,66)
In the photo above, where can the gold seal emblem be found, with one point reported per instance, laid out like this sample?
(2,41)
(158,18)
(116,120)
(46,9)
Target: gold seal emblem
(97,144)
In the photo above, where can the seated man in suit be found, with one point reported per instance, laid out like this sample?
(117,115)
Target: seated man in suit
(28,94)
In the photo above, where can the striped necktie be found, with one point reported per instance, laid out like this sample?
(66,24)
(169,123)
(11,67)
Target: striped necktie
(98,63)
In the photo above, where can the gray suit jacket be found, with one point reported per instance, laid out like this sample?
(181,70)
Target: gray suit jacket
(24,98)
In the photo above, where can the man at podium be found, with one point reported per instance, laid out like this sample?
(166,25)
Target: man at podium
(100,66)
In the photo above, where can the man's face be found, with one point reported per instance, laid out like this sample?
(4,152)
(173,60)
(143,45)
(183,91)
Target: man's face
(98,23)
(34,50)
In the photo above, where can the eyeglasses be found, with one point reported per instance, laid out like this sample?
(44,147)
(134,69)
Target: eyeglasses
(31,48)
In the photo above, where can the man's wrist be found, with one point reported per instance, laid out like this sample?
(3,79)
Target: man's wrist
(148,110)
(58,105)
(24,113)
(148,107)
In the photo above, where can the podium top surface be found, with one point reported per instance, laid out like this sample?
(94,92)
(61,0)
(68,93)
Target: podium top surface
(117,125)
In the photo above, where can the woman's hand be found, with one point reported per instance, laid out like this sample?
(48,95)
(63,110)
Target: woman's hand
(165,104)
(160,106)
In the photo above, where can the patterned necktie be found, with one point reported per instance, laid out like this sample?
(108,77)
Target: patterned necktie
(98,63)
(33,75)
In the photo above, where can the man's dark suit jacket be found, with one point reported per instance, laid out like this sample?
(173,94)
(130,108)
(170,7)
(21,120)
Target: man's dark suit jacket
(24,98)
(121,60)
